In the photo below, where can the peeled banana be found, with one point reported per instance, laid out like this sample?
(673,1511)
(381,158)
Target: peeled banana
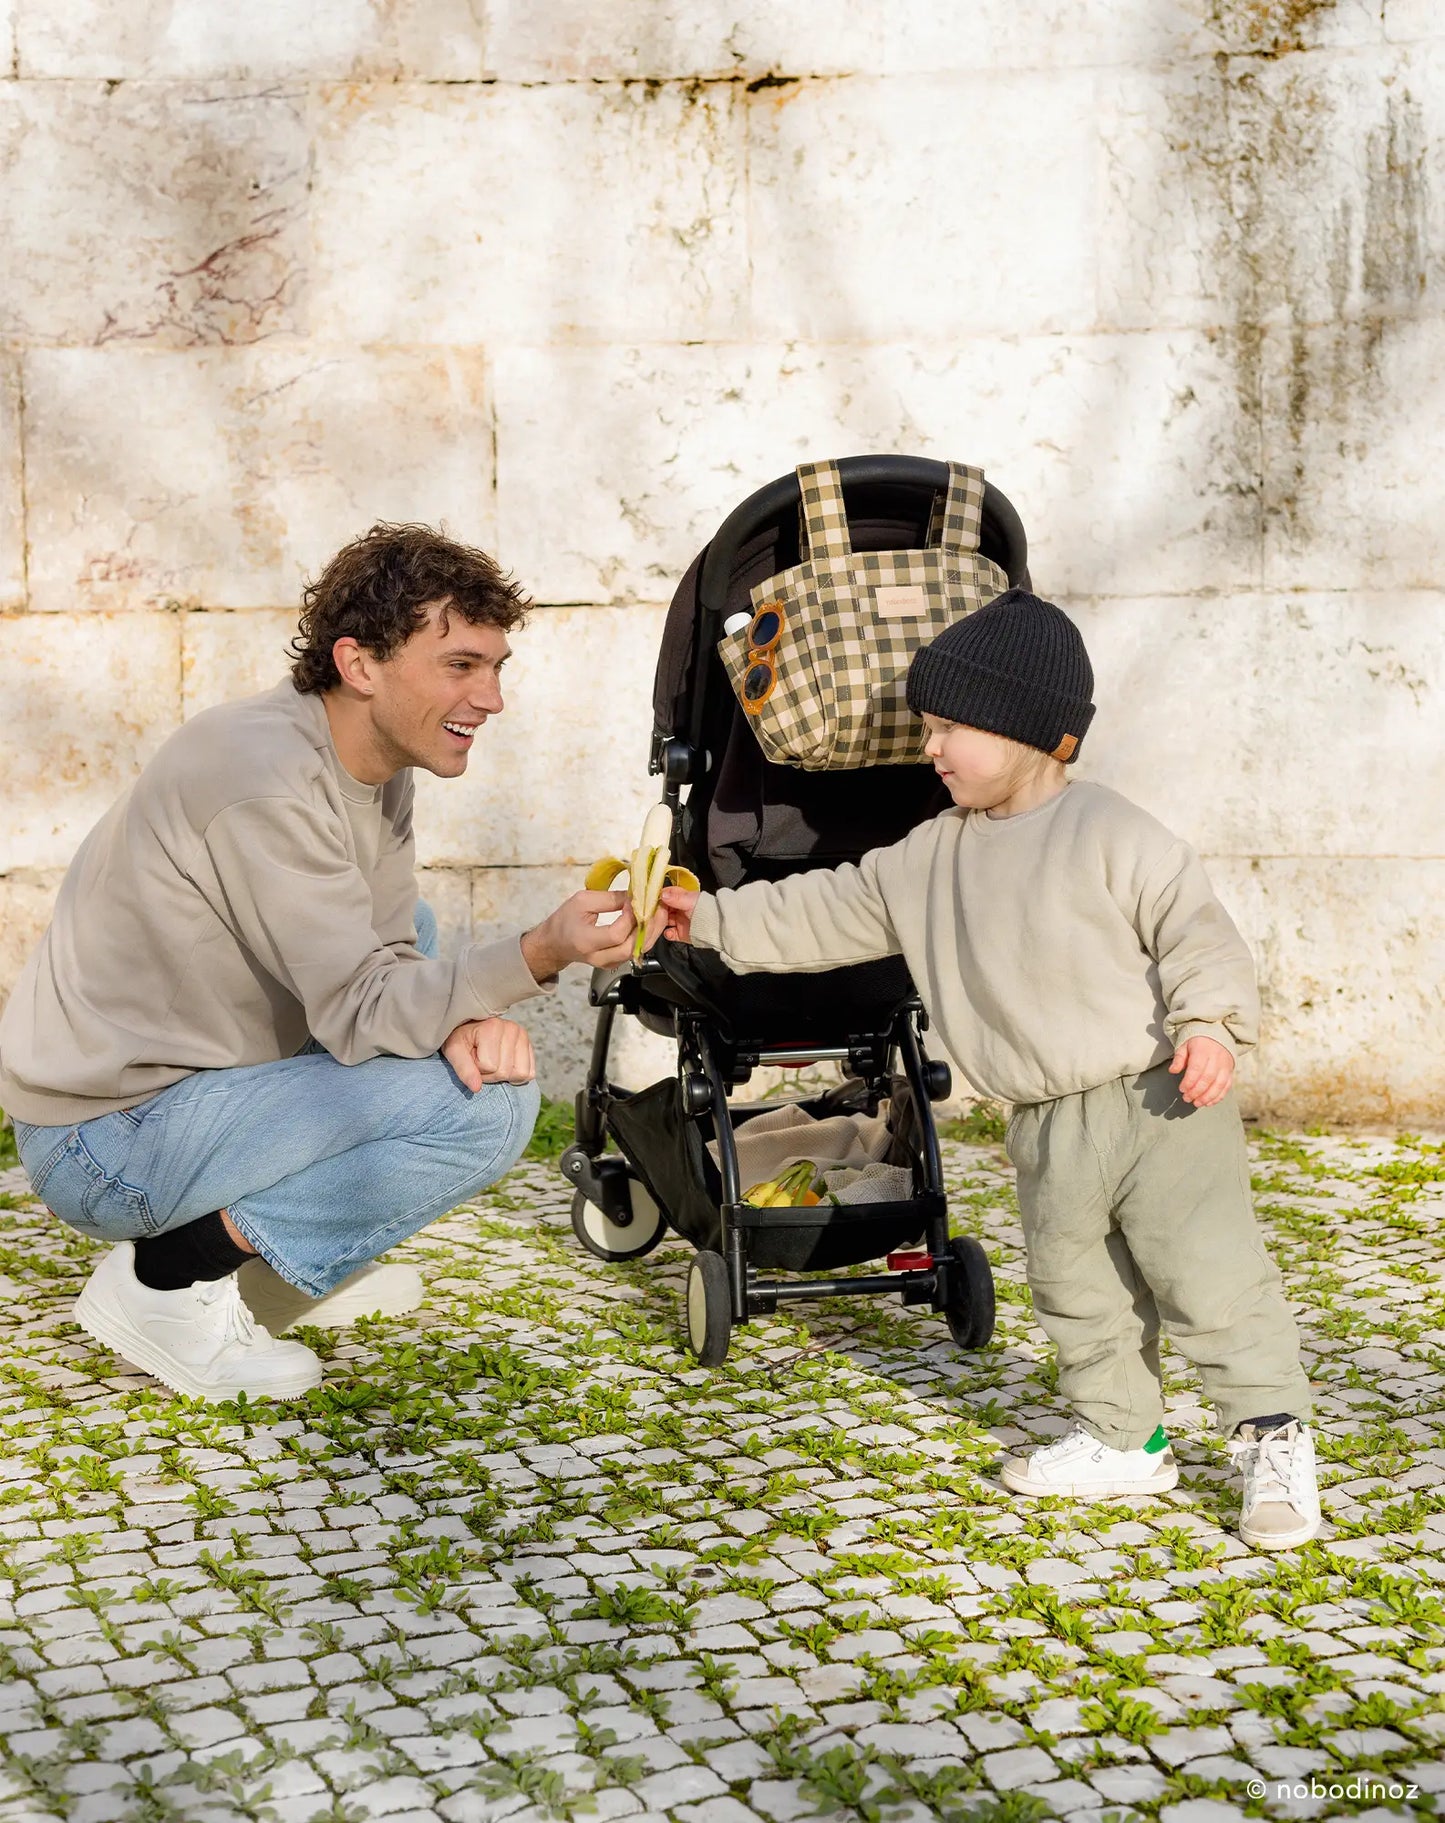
(647,872)
(791,1189)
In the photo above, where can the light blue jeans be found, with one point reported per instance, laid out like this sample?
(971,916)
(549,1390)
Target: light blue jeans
(321,1165)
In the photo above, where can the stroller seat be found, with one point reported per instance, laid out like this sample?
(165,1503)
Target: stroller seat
(744,818)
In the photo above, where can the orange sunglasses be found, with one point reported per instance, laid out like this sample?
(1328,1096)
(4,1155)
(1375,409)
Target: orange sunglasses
(761,677)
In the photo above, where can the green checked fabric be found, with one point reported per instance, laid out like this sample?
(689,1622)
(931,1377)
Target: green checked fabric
(854,621)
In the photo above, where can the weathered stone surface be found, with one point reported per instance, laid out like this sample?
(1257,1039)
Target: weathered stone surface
(12,491)
(210,184)
(224,477)
(267,40)
(1344,679)
(84,702)
(26,898)
(1351,956)
(1141,483)
(1354,451)
(561,212)
(826,154)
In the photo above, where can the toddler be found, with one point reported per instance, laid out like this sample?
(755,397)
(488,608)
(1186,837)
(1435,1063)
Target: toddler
(1075,961)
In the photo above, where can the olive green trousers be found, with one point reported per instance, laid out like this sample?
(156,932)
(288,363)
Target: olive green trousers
(1137,1218)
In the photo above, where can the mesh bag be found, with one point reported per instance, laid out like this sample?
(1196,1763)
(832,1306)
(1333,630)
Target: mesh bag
(828,696)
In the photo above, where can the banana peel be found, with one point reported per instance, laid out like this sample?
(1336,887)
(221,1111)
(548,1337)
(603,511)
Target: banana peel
(791,1189)
(648,871)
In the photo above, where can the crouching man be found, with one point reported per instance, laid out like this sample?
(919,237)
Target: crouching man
(236,1052)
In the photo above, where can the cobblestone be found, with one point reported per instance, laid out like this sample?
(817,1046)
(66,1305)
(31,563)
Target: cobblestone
(488,1603)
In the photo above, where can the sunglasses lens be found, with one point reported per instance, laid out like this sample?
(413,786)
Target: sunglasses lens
(766,627)
(755,684)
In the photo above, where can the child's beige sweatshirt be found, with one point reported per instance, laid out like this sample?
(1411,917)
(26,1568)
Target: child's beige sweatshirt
(1055,950)
(244,892)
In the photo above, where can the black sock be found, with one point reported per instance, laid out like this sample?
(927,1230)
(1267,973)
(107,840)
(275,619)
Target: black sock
(199,1250)
(1271,1423)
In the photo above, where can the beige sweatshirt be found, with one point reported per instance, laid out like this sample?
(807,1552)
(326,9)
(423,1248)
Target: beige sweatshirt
(245,892)
(1056,950)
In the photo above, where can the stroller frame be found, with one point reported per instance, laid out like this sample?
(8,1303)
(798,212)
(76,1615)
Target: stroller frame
(725,1285)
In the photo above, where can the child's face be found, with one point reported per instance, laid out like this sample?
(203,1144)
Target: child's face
(979,769)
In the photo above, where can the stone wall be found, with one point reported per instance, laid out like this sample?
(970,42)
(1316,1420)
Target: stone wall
(575,279)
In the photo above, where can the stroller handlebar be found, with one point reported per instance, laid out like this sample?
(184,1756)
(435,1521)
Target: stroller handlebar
(1002,534)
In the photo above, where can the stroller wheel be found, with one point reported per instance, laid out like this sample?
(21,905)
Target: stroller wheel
(608,1239)
(709,1308)
(969,1311)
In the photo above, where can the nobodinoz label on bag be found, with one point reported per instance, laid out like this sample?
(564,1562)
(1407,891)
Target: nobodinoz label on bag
(895,603)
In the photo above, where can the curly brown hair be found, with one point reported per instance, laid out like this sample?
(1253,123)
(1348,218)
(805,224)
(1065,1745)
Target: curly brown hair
(377,590)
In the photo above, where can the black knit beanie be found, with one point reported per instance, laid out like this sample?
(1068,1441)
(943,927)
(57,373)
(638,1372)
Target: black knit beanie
(1016,667)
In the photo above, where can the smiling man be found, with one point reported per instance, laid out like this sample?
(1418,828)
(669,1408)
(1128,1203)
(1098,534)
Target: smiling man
(236,1052)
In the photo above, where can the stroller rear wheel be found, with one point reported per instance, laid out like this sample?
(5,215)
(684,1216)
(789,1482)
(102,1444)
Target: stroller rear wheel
(969,1307)
(709,1308)
(609,1239)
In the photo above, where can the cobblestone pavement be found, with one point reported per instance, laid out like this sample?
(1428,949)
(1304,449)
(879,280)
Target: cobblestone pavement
(519,1559)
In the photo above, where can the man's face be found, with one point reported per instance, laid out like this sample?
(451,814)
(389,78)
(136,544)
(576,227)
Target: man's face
(434,692)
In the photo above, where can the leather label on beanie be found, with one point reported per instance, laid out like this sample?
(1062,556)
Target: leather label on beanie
(1065,748)
(895,602)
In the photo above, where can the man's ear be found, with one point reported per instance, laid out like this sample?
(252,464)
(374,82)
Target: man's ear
(354,665)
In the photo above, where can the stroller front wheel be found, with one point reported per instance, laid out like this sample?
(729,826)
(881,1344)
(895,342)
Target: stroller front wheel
(709,1308)
(611,1240)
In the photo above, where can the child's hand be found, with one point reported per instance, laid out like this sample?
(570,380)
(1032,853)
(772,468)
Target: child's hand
(673,918)
(1208,1071)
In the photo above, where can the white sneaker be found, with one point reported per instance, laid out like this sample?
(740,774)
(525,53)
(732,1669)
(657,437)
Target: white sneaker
(1080,1465)
(374,1291)
(199,1341)
(1281,1506)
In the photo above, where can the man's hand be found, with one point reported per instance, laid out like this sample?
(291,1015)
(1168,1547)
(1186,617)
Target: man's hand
(1208,1071)
(673,917)
(490,1050)
(572,934)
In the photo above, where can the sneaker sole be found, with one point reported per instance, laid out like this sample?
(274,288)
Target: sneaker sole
(127,1342)
(1084,1490)
(344,1311)
(1281,1541)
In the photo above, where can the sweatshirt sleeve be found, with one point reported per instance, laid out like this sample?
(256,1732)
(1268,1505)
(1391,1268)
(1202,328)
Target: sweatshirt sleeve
(803,924)
(277,874)
(1205,969)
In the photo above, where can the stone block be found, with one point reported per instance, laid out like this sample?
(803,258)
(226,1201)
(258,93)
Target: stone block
(1124,454)
(1350,955)
(1353,453)
(84,702)
(560,212)
(207,185)
(225,477)
(572,41)
(12,481)
(1317,708)
(1009,221)
(225,656)
(269,40)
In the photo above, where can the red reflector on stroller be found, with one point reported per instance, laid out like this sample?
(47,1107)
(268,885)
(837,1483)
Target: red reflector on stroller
(909,1262)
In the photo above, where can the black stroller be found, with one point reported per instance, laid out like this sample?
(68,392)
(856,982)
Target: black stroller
(745,819)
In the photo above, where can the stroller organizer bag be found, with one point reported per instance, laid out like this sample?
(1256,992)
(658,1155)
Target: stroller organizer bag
(796,749)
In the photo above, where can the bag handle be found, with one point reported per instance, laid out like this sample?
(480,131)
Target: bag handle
(825,518)
(957,521)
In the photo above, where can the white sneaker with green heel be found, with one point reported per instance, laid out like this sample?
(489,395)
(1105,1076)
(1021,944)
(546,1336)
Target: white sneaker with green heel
(1080,1466)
